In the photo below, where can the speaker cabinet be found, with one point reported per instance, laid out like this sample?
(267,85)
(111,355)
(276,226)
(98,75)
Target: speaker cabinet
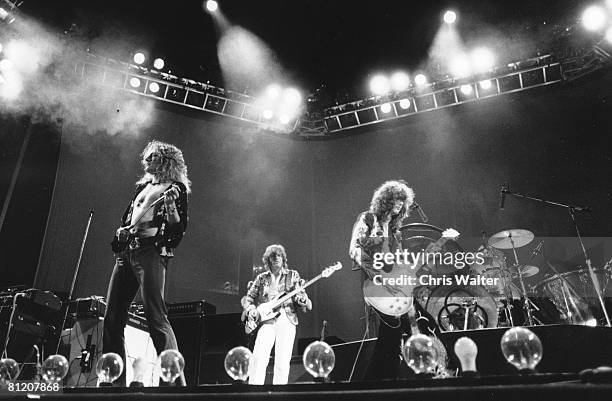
(84,342)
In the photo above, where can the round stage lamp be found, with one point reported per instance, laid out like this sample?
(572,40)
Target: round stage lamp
(385,108)
(404,104)
(212,6)
(154,87)
(9,369)
(420,354)
(139,58)
(54,369)
(521,348)
(171,364)
(593,18)
(420,79)
(237,363)
(109,368)
(159,63)
(134,82)
(319,360)
(450,17)
(466,351)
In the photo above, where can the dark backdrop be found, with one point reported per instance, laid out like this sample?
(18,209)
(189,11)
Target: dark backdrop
(251,189)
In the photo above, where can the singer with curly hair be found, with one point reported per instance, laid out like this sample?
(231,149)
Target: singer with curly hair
(152,225)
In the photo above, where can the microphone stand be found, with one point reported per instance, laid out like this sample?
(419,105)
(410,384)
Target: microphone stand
(571,209)
(76,273)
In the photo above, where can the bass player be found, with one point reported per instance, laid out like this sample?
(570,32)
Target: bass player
(280,331)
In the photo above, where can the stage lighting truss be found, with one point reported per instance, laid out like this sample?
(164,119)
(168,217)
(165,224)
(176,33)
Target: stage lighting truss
(437,95)
(172,89)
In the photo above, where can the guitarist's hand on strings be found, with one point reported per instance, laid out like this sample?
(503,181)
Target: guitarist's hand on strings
(123,233)
(301,298)
(254,314)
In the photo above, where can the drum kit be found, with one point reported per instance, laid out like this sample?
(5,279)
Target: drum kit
(507,300)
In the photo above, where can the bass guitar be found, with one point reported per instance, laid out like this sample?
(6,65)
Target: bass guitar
(270,310)
(396,299)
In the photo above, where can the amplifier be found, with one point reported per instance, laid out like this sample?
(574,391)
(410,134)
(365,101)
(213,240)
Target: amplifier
(87,308)
(191,308)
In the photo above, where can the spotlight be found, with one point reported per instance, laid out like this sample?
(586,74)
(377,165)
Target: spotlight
(460,66)
(467,89)
(593,18)
(486,84)
(3,14)
(379,85)
(158,63)
(139,58)
(134,82)
(591,322)
(609,35)
(273,91)
(267,114)
(153,87)
(6,64)
(292,96)
(404,104)
(284,119)
(482,59)
(385,108)
(420,80)
(400,81)
(450,17)
(212,6)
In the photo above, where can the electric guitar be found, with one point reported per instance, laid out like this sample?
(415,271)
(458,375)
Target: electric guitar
(270,310)
(119,245)
(395,300)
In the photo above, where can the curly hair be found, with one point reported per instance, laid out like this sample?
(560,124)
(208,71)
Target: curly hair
(173,166)
(386,194)
(275,249)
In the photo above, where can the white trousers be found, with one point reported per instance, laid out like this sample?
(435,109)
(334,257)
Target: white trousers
(282,333)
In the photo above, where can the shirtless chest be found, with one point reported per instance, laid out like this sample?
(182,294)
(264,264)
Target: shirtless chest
(142,202)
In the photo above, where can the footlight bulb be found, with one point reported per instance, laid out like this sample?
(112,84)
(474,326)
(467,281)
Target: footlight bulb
(238,362)
(319,360)
(522,348)
(420,354)
(109,368)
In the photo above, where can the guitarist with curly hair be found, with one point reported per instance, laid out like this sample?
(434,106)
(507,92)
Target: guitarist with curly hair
(377,231)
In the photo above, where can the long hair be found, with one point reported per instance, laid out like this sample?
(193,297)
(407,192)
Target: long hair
(386,194)
(274,249)
(173,166)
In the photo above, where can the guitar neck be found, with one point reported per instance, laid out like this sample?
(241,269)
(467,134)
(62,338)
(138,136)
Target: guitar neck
(288,296)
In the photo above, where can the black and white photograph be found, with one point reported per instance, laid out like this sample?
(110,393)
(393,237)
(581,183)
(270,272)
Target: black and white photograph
(306,199)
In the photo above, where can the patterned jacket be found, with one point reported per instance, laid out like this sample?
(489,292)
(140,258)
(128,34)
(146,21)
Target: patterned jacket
(258,293)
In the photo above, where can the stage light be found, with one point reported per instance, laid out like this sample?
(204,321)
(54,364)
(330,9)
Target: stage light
(460,66)
(109,368)
(171,364)
(482,59)
(273,91)
(3,14)
(6,65)
(154,87)
(420,79)
(238,362)
(420,354)
(466,89)
(134,82)
(158,63)
(450,17)
(319,360)
(522,348)
(593,18)
(212,6)
(400,81)
(268,114)
(404,103)
(609,35)
(466,351)
(385,108)
(486,84)
(9,370)
(292,96)
(284,119)
(139,58)
(54,369)
(380,85)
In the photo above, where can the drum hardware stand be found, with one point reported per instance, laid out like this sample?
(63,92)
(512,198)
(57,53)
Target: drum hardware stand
(74,278)
(571,209)
(527,301)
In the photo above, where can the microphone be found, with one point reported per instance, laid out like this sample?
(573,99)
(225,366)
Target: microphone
(417,207)
(502,196)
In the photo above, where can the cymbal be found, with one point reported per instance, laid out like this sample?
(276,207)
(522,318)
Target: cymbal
(526,271)
(501,240)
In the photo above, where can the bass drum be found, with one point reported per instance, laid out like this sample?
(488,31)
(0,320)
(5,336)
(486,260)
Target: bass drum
(575,297)
(462,308)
